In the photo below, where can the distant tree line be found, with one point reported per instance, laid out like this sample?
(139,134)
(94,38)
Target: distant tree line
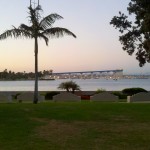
(11,75)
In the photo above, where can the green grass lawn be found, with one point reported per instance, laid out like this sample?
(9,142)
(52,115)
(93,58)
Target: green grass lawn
(75,126)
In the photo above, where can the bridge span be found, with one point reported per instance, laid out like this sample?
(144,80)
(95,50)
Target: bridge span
(84,72)
(89,74)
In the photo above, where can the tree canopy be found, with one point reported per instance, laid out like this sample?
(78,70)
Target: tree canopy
(69,86)
(135,34)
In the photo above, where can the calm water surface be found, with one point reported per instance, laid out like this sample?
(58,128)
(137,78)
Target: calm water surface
(86,85)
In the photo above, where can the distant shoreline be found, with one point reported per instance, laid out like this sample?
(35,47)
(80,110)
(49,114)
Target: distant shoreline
(26,80)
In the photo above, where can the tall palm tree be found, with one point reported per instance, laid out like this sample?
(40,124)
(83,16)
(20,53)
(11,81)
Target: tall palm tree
(39,29)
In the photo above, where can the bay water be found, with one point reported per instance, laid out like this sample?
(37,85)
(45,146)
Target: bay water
(86,85)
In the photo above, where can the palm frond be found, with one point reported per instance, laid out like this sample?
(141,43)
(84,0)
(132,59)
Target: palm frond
(26,28)
(42,36)
(33,16)
(16,33)
(58,32)
(47,21)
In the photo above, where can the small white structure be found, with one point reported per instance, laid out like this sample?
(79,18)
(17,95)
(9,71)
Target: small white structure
(66,97)
(141,97)
(105,97)
(28,96)
(128,99)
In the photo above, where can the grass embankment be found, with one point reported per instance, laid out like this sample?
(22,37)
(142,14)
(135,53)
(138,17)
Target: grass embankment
(75,126)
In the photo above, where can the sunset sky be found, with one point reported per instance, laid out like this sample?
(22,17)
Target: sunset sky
(96,47)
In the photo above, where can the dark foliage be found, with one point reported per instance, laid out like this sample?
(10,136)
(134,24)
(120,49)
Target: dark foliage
(49,95)
(136,33)
(15,96)
(132,91)
(120,95)
(69,86)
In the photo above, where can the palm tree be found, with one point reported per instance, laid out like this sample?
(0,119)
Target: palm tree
(39,29)
(69,86)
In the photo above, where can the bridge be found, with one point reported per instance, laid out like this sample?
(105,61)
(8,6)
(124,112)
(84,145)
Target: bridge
(88,74)
(100,71)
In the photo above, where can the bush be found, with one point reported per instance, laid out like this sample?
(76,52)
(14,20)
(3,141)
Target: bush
(49,95)
(15,95)
(101,90)
(120,95)
(132,91)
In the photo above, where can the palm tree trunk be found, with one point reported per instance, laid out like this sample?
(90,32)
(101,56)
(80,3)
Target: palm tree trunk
(35,101)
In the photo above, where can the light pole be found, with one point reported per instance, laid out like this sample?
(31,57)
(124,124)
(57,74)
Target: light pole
(34,3)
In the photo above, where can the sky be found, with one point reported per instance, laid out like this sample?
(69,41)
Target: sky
(96,47)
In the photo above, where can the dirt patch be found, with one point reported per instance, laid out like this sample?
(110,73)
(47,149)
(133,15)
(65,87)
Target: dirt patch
(75,134)
(57,131)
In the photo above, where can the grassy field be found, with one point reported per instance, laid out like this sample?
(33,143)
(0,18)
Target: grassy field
(75,126)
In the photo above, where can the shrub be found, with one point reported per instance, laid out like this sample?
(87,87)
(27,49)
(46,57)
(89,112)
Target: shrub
(49,95)
(120,95)
(100,90)
(15,95)
(132,91)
